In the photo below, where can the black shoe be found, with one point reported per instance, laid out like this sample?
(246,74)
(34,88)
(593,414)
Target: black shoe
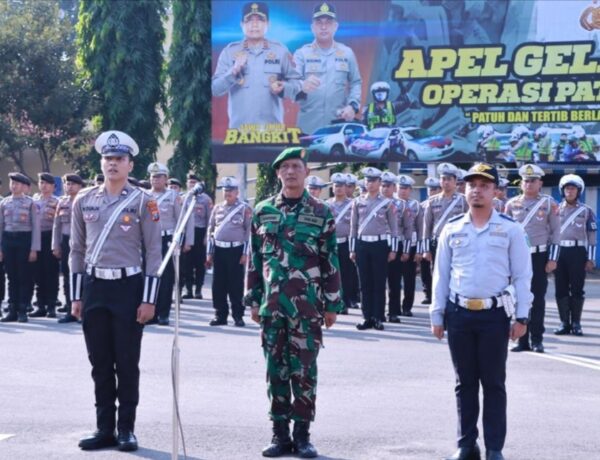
(127,441)
(426,301)
(187,295)
(538,348)
(281,443)
(302,445)
(466,453)
(22,318)
(98,440)
(521,347)
(68,318)
(366,324)
(563,329)
(57,303)
(218,322)
(576,329)
(239,322)
(9,318)
(62,309)
(163,321)
(198,295)
(39,312)
(407,313)
(51,312)
(394,319)
(494,455)
(377,325)
(152,321)
(354,305)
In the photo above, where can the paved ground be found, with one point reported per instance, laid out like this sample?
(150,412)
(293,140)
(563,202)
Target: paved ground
(382,395)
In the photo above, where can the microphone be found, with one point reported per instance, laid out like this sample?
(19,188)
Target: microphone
(198,189)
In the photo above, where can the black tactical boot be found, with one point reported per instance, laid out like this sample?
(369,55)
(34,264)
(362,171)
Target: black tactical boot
(51,311)
(563,312)
(39,312)
(302,445)
(281,444)
(11,316)
(576,311)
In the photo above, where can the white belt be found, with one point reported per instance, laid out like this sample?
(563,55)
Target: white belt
(572,243)
(112,273)
(342,240)
(476,304)
(228,244)
(372,238)
(167,232)
(540,248)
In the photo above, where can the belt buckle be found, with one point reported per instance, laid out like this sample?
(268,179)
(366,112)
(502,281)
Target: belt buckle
(475,304)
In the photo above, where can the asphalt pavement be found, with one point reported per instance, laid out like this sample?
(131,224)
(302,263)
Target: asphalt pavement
(381,395)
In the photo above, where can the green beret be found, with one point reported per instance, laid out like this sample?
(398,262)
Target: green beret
(289,153)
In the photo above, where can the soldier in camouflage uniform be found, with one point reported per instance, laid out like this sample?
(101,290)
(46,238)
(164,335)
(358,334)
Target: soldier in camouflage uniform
(294,285)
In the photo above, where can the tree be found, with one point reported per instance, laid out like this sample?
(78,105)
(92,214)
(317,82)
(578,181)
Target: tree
(267,183)
(120,57)
(42,109)
(190,99)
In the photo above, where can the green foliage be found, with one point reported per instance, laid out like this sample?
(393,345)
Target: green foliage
(120,58)
(190,97)
(42,109)
(267,183)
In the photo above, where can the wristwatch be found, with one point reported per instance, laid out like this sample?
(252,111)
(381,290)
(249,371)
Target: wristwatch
(523,321)
(355,106)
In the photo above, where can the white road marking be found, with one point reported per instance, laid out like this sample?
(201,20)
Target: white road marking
(570,359)
(4,437)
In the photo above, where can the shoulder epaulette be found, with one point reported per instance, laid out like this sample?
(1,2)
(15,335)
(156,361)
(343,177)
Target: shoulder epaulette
(85,191)
(455,218)
(504,216)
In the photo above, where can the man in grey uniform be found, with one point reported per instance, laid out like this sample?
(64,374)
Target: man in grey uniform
(228,248)
(256,73)
(538,214)
(433,188)
(408,266)
(315,185)
(331,82)
(111,292)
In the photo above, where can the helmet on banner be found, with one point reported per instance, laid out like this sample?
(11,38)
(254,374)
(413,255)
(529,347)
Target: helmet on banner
(380,91)
(521,131)
(485,131)
(514,137)
(541,132)
(571,179)
(578,131)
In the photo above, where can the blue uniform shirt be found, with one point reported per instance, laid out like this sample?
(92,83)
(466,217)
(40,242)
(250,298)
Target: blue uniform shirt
(481,263)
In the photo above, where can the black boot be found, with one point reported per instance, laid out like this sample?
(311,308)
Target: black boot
(523,344)
(563,312)
(39,312)
(11,316)
(281,443)
(22,316)
(51,311)
(302,445)
(576,311)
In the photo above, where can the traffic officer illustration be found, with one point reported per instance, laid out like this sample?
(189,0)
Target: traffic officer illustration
(477,306)
(330,77)
(408,265)
(538,214)
(373,243)
(577,254)
(294,286)
(381,112)
(433,188)
(257,73)
(61,236)
(20,241)
(228,248)
(111,292)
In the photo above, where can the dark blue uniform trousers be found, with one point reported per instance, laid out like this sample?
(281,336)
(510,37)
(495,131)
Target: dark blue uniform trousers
(478,343)
(371,258)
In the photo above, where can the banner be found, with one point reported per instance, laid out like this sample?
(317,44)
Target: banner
(410,81)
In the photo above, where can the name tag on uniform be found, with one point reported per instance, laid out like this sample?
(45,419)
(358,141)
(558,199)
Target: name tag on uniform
(501,234)
(311,220)
(269,218)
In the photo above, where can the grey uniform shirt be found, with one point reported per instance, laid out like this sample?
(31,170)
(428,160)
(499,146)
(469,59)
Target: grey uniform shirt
(202,208)
(47,209)
(250,98)
(170,205)
(544,226)
(20,214)
(480,263)
(137,224)
(341,82)
(383,222)
(235,229)
(405,223)
(582,228)
(413,209)
(62,221)
(435,210)
(342,224)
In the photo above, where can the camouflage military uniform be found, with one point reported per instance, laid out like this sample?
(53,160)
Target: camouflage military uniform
(293,277)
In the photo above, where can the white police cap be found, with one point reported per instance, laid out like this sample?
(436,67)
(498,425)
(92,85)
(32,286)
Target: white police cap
(405,181)
(116,143)
(156,169)
(315,181)
(461,175)
(448,169)
(371,173)
(531,171)
(351,179)
(503,182)
(432,182)
(229,182)
(339,178)
(361,184)
(388,177)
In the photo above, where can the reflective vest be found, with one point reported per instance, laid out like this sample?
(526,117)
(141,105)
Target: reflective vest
(376,120)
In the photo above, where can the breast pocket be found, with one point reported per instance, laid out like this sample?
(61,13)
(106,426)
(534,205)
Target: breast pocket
(271,73)
(268,234)
(462,250)
(341,73)
(91,216)
(306,241)
(498,245)
(64,215)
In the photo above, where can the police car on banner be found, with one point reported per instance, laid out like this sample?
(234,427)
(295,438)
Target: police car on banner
(423,145)
(379,144)
(333,139)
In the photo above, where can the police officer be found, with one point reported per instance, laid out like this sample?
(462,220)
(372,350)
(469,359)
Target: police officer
(354,291)
(294,285)
(341,207)
(478,254)
(315,185)
(381,112)
(441,208)
(577,254)
(20,241)
(195,260)
(228,248)
(330,77)
(351,181)
(500,199)
(2,273)
(174,184)
(61,236)
(47,266)
(111,292)
(433,188)
(373,243)
(460,181)
(408,265)
(170,206)
(99,179)
(256,73)
(538,214)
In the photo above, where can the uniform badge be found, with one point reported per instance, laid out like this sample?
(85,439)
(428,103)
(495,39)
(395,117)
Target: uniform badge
(339,53)
(125,228)
(153,210)
(271,55)
(126,219)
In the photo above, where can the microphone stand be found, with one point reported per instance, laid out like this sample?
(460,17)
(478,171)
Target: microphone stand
(175,251)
